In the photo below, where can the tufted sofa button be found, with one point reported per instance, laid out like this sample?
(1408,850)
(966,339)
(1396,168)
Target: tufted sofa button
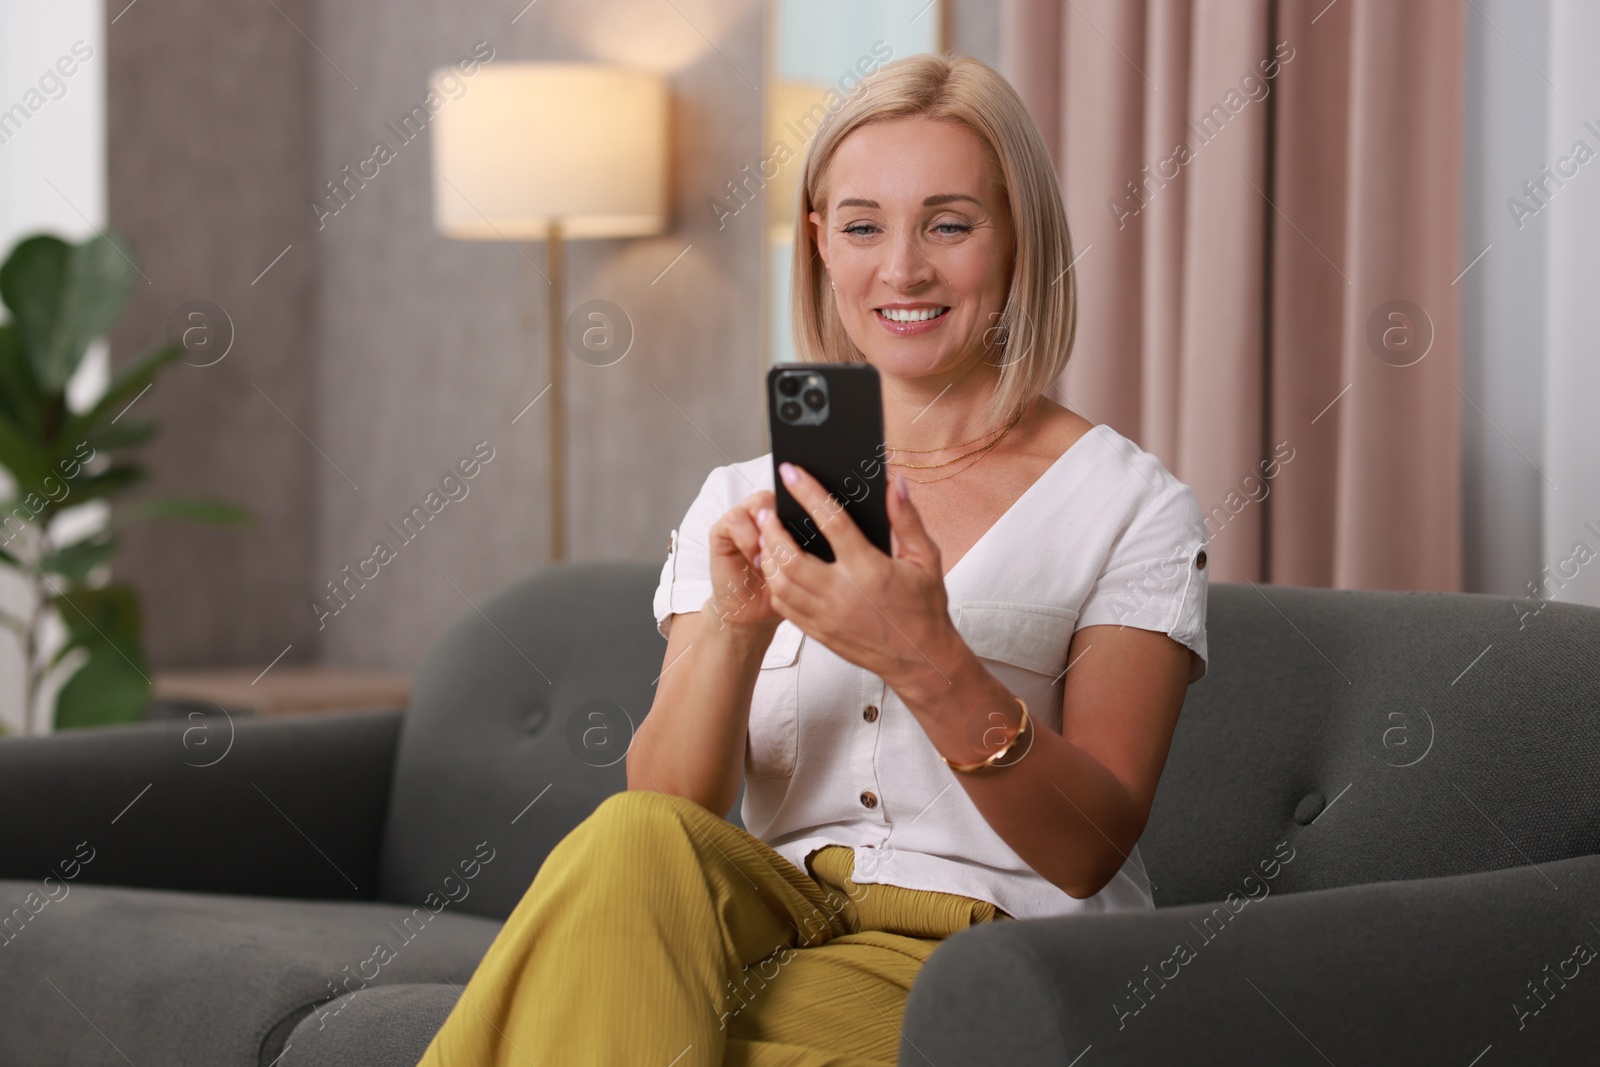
(1309,808)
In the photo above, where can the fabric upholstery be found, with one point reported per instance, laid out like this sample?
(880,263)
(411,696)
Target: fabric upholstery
(385,1026)
(214,805)
(531,701)
(200,979)
(1417,972)
(1316,695)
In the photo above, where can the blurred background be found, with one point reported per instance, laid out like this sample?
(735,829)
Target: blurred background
(451,292)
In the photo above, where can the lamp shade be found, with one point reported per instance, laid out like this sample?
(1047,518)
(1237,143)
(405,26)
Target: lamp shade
(530,143)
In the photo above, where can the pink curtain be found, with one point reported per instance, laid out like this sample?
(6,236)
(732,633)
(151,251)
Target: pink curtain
(1265,198)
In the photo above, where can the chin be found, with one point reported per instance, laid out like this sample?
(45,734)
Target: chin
(909,361)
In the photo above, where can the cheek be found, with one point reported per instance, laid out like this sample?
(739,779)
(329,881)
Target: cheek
(852,263)
(976,270)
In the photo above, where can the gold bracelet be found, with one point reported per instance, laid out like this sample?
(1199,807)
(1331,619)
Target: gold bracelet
(993,760)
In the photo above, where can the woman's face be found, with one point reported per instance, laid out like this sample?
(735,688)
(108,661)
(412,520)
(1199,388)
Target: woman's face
(917,237)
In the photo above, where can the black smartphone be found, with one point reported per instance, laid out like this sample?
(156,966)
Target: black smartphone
(827,418)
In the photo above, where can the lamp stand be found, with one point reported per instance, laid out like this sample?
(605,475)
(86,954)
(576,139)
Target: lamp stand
(556,355)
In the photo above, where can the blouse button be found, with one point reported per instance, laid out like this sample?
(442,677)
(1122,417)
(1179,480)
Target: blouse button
(869,799)
(870,713)
(1200,560)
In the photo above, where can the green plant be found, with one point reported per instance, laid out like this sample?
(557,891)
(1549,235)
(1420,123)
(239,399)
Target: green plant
(61,297)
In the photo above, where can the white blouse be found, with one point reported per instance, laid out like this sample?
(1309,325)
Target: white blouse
(1105,535)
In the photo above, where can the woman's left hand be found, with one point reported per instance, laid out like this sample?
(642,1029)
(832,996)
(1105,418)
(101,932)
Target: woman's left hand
(887,614)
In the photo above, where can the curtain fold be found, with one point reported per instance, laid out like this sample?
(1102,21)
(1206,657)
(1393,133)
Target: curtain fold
(1265,201)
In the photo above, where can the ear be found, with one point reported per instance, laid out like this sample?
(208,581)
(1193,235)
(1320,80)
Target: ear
(815,221)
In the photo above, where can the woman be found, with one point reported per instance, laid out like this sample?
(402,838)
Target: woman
(970,729)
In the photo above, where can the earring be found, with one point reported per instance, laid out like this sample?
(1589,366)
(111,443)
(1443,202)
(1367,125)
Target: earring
(835,288)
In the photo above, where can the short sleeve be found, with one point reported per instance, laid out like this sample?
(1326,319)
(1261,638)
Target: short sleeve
(1155,577)
(686,575)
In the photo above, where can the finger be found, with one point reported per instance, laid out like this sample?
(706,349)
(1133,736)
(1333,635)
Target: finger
(912,540)
(782,559)
(792,575)
(826,512)
(752,506)
(737,527)
(761,498)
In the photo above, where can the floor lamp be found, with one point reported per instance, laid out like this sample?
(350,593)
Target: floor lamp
(552,152)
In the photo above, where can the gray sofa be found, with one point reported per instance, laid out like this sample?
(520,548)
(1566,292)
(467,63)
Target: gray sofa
(1375,842)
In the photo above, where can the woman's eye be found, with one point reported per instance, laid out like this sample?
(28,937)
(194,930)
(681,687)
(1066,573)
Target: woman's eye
(860,228)
(950,229)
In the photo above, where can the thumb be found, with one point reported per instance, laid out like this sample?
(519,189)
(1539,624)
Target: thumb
(911,540)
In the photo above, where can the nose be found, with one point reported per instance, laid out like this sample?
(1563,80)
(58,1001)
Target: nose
(906,266)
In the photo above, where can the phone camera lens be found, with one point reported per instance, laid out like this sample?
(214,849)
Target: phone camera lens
(814,399)
(788,385)
(789,411)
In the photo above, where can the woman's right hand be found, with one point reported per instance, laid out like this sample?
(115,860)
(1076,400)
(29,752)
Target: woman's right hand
(739,589)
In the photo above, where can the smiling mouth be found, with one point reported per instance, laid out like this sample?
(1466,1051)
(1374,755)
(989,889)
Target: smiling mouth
(910,314)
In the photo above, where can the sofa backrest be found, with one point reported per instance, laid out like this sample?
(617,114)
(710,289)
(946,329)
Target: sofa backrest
(1368,736)
(1373,736)
(519,720)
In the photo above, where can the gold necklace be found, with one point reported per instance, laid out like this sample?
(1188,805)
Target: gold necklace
(946,477)
(932,466)
(941,448)
(981,453)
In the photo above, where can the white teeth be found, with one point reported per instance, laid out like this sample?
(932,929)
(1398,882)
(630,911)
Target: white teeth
(911,314)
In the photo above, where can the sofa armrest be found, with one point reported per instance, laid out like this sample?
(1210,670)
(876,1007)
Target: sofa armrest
(1434,970)
(268,807)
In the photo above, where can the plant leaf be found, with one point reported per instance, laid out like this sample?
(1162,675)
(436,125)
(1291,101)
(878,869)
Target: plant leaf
(105,623)
(126,433)
(31,281)
(63,297)
(111,480)
(19,391)
(106,615)
(21,454)
(74,562)
(125,384)
(105,690)
(185,509)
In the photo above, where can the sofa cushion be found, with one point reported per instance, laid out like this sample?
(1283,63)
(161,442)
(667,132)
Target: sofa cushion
(384,1026)
(105,975)
(1384,735)
(520,717)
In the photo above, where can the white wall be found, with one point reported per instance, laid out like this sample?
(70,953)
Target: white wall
(1530,373)
(1571,513)
(52,177)
(1502,298)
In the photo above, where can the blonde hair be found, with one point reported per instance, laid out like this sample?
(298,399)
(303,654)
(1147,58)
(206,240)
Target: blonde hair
(1036,328)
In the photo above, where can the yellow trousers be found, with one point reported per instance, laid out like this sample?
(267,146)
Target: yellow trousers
(657,933)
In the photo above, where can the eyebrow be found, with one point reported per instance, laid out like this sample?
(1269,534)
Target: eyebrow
(932,201)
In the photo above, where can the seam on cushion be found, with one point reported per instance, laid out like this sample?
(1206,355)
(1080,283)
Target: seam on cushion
(271,1043)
